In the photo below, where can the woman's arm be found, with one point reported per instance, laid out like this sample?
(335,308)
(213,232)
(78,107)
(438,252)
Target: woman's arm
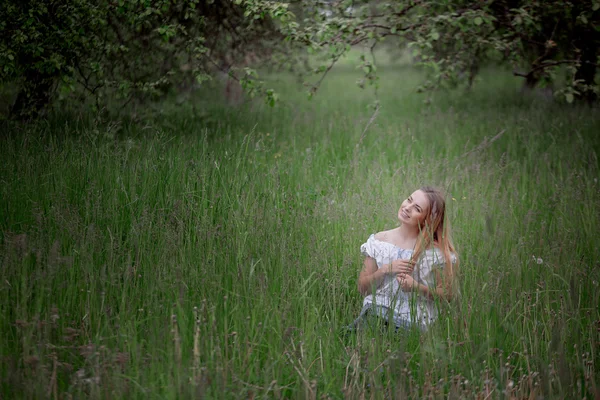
(442,290)
(370,277)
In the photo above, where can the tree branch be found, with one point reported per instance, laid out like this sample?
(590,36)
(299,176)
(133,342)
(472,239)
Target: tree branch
(551,64)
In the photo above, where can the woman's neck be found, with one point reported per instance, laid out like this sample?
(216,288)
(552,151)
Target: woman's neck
(408,232)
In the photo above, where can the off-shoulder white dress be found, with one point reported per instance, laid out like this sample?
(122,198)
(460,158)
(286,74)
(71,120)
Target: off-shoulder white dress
(407,308)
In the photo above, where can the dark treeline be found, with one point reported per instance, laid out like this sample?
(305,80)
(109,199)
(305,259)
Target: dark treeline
(123,50)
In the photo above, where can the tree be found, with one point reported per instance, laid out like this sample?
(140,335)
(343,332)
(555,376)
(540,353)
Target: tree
(117,49)
(131,49)
(556,42)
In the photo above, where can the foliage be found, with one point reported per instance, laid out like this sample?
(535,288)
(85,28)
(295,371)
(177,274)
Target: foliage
(128,49)
(139,49)
(452,39)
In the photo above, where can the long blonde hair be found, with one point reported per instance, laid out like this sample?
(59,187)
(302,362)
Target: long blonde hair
(435,231)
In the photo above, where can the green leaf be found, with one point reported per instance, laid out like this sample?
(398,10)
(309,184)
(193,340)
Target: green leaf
(569,97)
(583,19)
(478,21)
(435,35)
(596,6)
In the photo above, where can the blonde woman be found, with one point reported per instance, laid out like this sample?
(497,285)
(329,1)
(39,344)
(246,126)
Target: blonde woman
(407,269)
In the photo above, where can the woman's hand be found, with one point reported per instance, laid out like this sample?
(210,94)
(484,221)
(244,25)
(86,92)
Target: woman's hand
(407,283)
(402,266)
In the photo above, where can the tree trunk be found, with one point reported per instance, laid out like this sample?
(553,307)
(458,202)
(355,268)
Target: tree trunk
(531,81)
(33,97)
(587,70)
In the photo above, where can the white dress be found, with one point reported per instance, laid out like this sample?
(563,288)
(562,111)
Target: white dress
(411,307)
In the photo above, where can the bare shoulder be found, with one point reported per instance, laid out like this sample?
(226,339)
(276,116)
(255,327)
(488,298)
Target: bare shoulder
(385,236)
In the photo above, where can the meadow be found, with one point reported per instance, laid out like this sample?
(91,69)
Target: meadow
(205,250)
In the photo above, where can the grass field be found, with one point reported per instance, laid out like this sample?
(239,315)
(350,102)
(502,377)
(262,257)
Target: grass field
(206,250)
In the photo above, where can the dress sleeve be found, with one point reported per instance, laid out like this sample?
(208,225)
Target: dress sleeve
(431,261)
(436,260)
(440,260)
(369,248)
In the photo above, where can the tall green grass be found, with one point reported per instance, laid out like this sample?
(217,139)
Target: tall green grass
(205,250)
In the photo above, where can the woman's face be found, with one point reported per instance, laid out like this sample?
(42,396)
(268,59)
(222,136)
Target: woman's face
(414,209)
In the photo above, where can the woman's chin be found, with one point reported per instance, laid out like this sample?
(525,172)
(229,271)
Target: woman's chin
(404,221)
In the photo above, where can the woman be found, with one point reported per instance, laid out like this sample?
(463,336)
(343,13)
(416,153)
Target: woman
(407,268)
